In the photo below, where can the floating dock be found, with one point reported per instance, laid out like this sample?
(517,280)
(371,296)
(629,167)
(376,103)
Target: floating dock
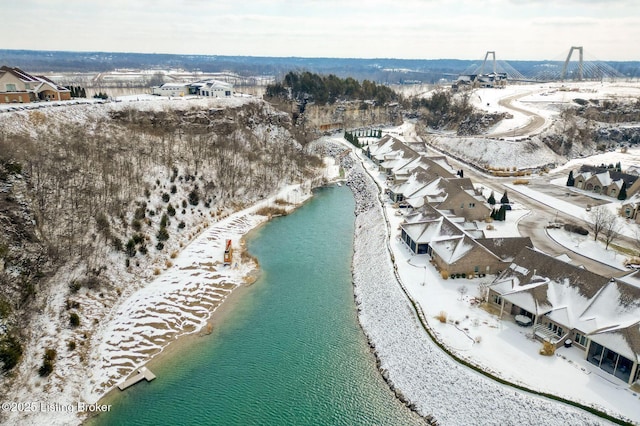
(143,373)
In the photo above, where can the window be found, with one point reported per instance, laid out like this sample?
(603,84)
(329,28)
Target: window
(11,87)
(497,299)
(472,205)
(581,340)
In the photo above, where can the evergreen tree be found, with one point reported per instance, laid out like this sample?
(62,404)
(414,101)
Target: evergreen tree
(570,180)
(501,215)
(623,191)
(504,199)
(492,199)
(618,166)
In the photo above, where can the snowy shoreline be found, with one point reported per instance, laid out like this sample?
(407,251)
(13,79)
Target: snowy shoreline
(425,378)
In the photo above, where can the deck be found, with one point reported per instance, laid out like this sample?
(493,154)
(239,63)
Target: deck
(143,373)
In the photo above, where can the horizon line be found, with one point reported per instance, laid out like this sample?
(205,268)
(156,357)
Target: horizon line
(298,57)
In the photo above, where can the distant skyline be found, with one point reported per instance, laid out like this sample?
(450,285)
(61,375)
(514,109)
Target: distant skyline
(609,30)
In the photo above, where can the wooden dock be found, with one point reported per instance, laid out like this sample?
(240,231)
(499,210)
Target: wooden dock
(143,373)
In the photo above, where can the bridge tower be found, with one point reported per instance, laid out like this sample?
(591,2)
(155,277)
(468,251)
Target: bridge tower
(566,63)
(486,56)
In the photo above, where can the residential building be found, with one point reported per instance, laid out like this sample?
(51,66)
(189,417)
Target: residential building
(605,181)
(207,88)
(570,305)
(18,86)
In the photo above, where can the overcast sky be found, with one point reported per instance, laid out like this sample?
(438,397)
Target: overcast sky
(415,29)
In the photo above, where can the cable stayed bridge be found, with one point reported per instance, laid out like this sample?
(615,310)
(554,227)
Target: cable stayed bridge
(575,67)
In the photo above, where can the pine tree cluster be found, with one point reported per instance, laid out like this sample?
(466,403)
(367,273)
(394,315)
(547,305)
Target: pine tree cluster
(78,92)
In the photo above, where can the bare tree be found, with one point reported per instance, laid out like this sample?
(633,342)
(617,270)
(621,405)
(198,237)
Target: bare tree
(611,230)
(601,218)
(462,290)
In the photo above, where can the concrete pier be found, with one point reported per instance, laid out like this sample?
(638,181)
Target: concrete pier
(143,373)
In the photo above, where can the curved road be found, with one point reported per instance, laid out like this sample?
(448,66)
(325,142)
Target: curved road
(536,122)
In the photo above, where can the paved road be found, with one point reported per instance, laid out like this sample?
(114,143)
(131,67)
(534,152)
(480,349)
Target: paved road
(536,122)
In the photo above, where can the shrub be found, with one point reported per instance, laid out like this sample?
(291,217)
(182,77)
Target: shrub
(444,274)
(442,317)
(160,246)
(10,352)
(147,193)
(163,234)
(136,224)
(271,211)
(5,308)
(194,197)
(174,254)
(139,213)
(47,362)
(166,197)
(74,320)
(164,221)
(13,168)
(181,225)
(143,250)
(156,271)
(74,286)
(71,345)
(547,349)
(46,368)
(168,263)
(116,243)
(569,227)
(171,211)
(131,248)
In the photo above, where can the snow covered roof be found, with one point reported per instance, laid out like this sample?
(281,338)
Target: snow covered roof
(25,77)
(505,248)
(453,249)
(608,310)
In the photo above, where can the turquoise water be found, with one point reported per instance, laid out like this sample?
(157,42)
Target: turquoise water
(291,352)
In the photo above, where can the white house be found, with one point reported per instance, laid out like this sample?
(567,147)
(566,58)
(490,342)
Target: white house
(208,88)
(172,89)
(212,89)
